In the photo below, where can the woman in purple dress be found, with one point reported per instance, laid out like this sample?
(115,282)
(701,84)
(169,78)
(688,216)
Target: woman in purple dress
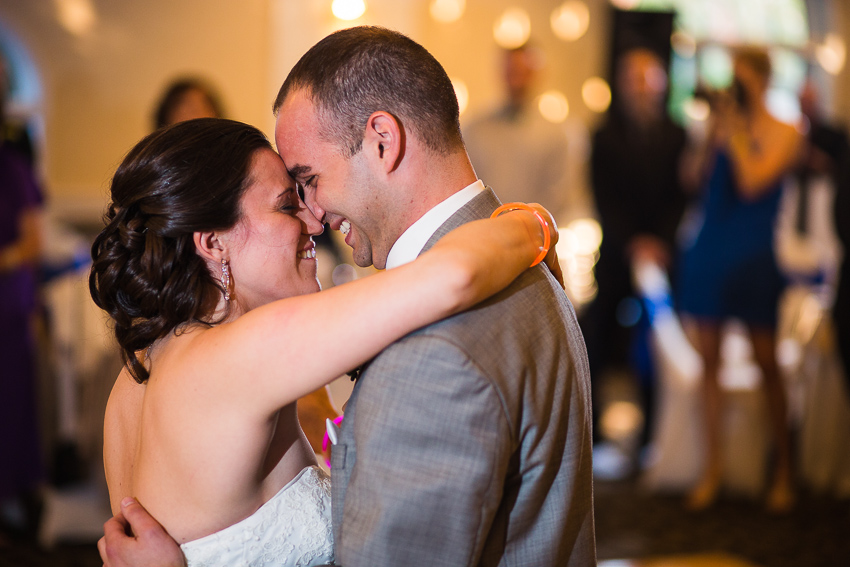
(20,454)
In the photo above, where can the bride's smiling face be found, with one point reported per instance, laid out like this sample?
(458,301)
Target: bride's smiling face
(271,250)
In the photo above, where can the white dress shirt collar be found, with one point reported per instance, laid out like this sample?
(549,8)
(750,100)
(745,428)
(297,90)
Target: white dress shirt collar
(410,243)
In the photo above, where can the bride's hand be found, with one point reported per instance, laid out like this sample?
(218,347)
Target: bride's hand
(551,259)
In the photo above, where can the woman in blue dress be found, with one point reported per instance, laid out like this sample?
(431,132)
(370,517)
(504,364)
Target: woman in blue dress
(730,270)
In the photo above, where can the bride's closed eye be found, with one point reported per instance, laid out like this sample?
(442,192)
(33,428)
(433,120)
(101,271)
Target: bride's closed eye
(290,202)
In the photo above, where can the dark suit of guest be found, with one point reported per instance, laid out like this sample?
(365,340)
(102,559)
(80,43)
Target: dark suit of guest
(841,309)
(635,179)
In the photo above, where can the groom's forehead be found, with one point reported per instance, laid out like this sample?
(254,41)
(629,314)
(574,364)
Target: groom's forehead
(296,128)
(299,104)
(294,115)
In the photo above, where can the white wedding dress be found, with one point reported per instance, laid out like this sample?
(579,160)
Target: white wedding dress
(293,529)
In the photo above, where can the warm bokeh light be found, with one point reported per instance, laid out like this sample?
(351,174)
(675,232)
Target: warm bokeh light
(553,106)
(512,29)
(348,9)
(447,11)
(625,4)
(567,243)
(76,16)
(831,54)
(697,109)
(596,94)
(462,94)
(578,250)
(584,262)
(588,235)
(683,44)
(570,20)
(620,419)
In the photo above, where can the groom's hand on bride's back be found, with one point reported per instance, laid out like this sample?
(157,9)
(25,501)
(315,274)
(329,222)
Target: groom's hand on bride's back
(134,538)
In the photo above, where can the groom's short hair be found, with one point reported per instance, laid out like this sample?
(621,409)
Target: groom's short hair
(357,71)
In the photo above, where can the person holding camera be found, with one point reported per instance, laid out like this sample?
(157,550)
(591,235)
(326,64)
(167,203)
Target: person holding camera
(730,269)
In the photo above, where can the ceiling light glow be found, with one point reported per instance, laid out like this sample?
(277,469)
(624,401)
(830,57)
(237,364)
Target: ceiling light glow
(348,9)
(570,20)
(447,11)
(512,29)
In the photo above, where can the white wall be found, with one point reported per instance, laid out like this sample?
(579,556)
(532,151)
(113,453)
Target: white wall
(100,88)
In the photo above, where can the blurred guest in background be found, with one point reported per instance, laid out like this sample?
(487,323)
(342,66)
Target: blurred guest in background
(807,246)
(533,159)
(826,161)
(730,269)
(635,165)
(21,466)
(16,134)
(828,140)
(185,99)
(841,308)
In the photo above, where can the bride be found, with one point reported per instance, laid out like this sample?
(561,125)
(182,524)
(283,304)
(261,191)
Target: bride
(207,267)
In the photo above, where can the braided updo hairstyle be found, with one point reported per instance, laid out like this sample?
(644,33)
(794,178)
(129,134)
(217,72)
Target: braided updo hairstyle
(146,273)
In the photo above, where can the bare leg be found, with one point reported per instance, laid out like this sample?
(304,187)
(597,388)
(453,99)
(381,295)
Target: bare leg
(780,497)
(708,345)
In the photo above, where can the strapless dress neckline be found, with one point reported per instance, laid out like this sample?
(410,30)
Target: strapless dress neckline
(292,529)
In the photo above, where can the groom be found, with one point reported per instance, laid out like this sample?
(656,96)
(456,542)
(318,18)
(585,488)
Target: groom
(466,442)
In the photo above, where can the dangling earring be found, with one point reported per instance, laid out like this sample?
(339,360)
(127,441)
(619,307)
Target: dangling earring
(225,279)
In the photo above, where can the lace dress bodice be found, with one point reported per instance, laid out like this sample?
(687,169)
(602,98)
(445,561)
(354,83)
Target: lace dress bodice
(292,529)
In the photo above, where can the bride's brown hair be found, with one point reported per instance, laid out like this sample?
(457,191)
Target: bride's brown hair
(146,273)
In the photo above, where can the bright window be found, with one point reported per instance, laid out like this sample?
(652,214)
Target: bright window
(704,32)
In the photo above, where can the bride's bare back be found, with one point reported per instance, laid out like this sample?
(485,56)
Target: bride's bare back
(196,465)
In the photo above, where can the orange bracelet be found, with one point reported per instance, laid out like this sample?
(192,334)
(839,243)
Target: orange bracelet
(547,238)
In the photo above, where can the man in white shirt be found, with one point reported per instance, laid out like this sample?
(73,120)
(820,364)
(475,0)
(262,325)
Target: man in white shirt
(531,158)
(467,442)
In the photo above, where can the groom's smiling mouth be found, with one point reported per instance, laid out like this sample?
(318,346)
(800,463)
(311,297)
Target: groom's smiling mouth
(343,225)
(345,229)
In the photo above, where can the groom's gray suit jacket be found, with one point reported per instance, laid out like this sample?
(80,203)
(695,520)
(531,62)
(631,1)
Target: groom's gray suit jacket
(468,442)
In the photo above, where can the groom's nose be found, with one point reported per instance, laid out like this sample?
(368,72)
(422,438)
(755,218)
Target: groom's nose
(310,201)
(312,226)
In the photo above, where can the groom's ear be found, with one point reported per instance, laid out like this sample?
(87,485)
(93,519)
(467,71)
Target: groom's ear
(209,246)
(384,139)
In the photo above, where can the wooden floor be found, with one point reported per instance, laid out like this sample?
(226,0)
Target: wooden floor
(700,560)
(643,529)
